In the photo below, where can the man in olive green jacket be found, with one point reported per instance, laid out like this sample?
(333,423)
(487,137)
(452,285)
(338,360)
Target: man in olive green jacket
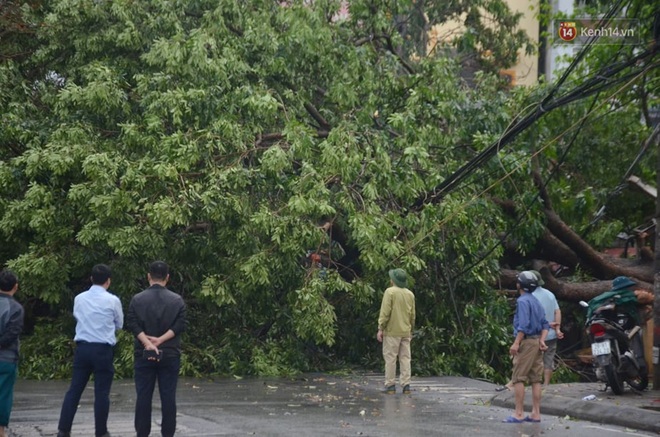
(395,326)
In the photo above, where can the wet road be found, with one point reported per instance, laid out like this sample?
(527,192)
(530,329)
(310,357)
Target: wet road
(313,405)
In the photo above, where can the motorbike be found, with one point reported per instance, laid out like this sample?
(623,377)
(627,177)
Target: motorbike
(616,340)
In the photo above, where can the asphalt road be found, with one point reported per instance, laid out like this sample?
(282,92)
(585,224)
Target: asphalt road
(311,405)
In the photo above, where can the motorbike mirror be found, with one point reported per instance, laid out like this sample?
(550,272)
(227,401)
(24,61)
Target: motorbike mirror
(583,304)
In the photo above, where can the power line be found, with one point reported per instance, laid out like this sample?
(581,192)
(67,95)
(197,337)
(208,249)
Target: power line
(456,211)
(617,190)
(603,79)
(536,196)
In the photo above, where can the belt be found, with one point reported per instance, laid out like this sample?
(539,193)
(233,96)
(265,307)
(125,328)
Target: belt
(91,343)
(531,336)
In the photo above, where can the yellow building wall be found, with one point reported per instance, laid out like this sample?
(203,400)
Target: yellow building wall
(526,70)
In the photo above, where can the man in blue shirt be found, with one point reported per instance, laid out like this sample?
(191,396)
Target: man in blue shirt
(530,329)
(553,316)
(98,315)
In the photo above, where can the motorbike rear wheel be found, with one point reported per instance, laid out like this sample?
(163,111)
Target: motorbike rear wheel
(613,379)
(640,382)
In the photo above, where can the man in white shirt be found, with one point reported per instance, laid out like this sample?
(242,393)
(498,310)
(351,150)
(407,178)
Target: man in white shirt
(553,316)
(98,315)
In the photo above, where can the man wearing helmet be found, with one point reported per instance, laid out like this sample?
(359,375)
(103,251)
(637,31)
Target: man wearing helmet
(530,329)
(553,316)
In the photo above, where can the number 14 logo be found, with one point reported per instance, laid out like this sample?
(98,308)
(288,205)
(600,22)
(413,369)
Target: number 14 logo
(567,30)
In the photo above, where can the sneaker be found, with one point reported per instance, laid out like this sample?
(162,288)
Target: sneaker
(389,390)
(63,434)
(406,389)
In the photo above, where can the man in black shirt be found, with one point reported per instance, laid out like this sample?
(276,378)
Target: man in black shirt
(157,318)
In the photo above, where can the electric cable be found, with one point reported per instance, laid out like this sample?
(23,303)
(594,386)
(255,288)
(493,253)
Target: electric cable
(593,86)
(536,196)
(483,192)
(619,188)
(582,53)
(599,81)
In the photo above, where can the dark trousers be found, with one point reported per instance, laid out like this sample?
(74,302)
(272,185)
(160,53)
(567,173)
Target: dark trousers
(8,373)
(166,371)
(90,358)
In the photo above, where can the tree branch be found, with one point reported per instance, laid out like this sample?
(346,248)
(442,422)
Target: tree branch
(595,262)
(316,115)
(273,137)
(390,47)
(567,291)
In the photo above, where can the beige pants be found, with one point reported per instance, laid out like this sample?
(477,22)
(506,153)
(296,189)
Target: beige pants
(528,363)
(394,347)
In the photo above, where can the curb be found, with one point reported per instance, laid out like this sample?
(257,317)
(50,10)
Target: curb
(592,411)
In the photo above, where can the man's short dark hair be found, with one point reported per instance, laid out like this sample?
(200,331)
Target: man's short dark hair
(7,280)
(158,270)
(100,274)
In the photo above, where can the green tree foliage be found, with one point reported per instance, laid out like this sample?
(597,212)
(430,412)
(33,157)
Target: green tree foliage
(218,136)
(588,148)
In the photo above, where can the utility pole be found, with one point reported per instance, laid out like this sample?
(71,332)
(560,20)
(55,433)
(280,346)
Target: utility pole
(656,285)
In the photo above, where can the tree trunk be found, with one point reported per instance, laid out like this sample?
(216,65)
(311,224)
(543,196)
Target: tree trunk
(551,248)
(566,291)
(596,263)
